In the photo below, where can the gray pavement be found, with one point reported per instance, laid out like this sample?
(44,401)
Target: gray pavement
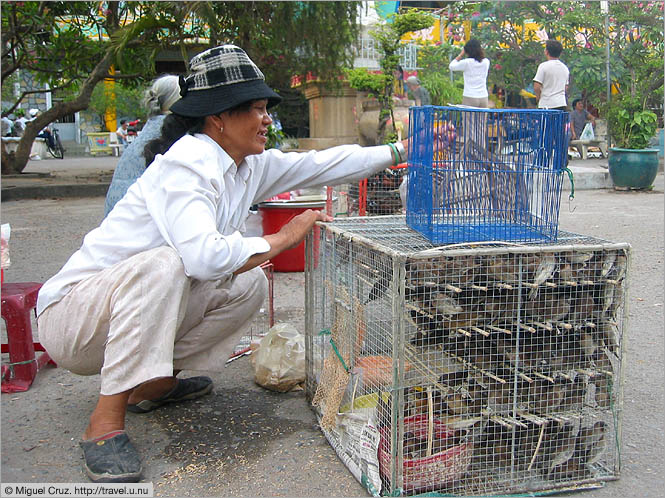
(245,441)
(91,176)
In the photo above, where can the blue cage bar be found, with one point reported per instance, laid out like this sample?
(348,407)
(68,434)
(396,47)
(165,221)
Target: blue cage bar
(486,174)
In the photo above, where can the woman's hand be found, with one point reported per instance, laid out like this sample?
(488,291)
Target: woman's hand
(289,236)
(293,233)
(461,55)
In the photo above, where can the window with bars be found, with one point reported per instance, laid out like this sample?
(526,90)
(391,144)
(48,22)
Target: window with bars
(368,55)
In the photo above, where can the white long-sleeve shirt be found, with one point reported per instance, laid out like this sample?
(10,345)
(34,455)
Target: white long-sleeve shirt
(475,76)
(195,199)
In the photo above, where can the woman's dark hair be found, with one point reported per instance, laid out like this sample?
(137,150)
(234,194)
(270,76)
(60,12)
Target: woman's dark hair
(176,126)
(474,50)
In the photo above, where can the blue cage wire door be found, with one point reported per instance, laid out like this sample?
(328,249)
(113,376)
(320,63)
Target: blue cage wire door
(484,175)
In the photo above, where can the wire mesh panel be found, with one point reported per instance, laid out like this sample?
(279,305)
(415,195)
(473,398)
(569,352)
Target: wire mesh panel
(377,195)
(480,174)
(264,319)
(468,369)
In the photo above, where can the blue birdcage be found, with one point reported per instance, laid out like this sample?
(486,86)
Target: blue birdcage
(485,174)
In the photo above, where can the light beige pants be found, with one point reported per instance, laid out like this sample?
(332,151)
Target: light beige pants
(476,102)
(143,317)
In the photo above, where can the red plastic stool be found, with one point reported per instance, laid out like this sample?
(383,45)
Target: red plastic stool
(18,300)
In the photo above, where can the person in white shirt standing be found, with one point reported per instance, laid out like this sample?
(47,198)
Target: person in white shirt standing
(552,78)
(475,66)
(169,281)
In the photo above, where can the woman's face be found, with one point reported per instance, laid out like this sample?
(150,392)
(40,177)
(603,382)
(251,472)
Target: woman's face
(245,133)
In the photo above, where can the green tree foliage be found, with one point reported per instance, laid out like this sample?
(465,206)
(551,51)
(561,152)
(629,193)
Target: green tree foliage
(636,35)
(73,45)
(287,39)
(127,101)
(381,85)
(435,75)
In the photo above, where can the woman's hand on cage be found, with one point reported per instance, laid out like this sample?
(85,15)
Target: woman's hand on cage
(293,233)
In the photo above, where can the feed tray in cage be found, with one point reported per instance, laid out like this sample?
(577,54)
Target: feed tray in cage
(481,175)
(433,456)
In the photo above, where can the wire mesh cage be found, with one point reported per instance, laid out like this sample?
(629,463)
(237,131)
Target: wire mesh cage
(481,174)
(377,195)
(263,320)
(467,369)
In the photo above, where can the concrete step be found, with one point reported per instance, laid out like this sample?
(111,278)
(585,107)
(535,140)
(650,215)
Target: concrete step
(587,177)
(73,149)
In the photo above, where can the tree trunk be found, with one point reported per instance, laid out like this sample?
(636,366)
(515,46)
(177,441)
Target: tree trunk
(16,162)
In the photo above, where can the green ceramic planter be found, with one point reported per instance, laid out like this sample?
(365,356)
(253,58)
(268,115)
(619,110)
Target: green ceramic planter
(633,168)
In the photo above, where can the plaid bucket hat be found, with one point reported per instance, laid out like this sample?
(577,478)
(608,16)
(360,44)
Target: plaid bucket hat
(221,78)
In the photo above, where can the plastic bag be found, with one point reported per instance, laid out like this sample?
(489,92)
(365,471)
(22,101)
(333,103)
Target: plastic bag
(587,132)
(4,245)
(279,362)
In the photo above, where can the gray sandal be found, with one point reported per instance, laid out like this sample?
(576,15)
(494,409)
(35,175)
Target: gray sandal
(190,388)
(111,459)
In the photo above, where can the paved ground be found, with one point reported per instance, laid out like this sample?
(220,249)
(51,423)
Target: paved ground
(245,441)
(90,176)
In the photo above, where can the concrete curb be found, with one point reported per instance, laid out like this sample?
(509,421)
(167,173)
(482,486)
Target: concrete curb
(588,179)
(14,193)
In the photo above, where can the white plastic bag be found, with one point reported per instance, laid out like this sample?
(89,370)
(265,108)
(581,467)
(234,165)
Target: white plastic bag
(587,132)
(279,362)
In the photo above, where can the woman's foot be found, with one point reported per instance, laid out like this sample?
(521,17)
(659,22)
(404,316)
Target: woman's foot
(184,389)
(111,458)
(152,389)
(109,455)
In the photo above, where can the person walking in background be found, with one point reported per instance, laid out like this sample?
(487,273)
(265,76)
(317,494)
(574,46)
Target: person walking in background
(157,101)
(420,93)
(578,118)
(474,66)
(550,84)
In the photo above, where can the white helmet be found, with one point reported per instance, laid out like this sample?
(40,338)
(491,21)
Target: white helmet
(33,112)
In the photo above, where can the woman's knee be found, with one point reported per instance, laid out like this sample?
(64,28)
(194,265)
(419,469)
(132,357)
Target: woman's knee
(165,260)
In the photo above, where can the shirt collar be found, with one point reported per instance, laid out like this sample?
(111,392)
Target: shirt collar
(227,163)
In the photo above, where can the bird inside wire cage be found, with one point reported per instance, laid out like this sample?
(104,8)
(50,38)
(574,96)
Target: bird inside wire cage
(515,349)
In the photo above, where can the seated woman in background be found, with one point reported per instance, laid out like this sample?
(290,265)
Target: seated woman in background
(157,101)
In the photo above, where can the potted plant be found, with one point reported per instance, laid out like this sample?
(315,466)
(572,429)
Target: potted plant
(632,163)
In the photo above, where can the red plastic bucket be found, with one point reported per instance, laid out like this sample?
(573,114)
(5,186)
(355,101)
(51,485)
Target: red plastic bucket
(277,214)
